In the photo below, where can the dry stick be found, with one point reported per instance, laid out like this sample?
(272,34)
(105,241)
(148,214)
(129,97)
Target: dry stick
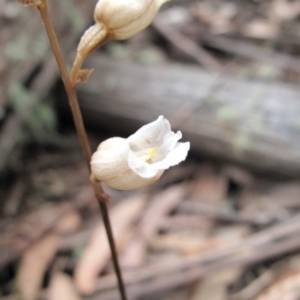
(73,101)
(254,288)
(252,51)
(196,208)
(186,45)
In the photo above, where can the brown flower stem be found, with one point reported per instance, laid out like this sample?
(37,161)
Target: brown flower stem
(73,101)
(76,68)
(93,38)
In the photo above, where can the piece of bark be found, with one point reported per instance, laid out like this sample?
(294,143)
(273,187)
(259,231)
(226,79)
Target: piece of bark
(97,252)
(249,122)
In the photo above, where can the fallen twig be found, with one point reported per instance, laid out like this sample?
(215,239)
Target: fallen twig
(187,46)
(208,211)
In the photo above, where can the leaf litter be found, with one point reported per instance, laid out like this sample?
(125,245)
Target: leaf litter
(204,231)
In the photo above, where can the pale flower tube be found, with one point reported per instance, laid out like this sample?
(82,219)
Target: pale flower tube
(141,159)
(114,19)
(124,18)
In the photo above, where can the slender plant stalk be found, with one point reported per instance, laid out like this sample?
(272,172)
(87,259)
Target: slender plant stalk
(93,38)
(73,101)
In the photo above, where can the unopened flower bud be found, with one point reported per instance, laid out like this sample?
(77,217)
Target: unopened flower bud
(116,19)
(125,18)
(141,159)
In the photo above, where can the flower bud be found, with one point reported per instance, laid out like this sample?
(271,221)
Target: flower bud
(125,18)
(117,19)
(141,159)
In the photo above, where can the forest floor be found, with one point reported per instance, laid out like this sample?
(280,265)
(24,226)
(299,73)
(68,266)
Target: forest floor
(208,229)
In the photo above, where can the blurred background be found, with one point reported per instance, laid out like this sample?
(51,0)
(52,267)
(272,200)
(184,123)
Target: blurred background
(223,225)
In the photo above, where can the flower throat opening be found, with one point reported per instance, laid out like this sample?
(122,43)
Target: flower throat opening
(146,154)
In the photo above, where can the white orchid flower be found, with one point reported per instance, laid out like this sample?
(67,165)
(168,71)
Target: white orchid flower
(141,159)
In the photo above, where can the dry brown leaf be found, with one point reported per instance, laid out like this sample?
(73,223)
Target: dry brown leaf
(69,223)
(97,252)
(84,75)
(62,288)
(209,188)
(159,207)
(134,254)
(261,29)
(287,288)
(33,265)
(285,10)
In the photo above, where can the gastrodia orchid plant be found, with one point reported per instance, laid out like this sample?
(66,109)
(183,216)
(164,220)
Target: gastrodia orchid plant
(121,163)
